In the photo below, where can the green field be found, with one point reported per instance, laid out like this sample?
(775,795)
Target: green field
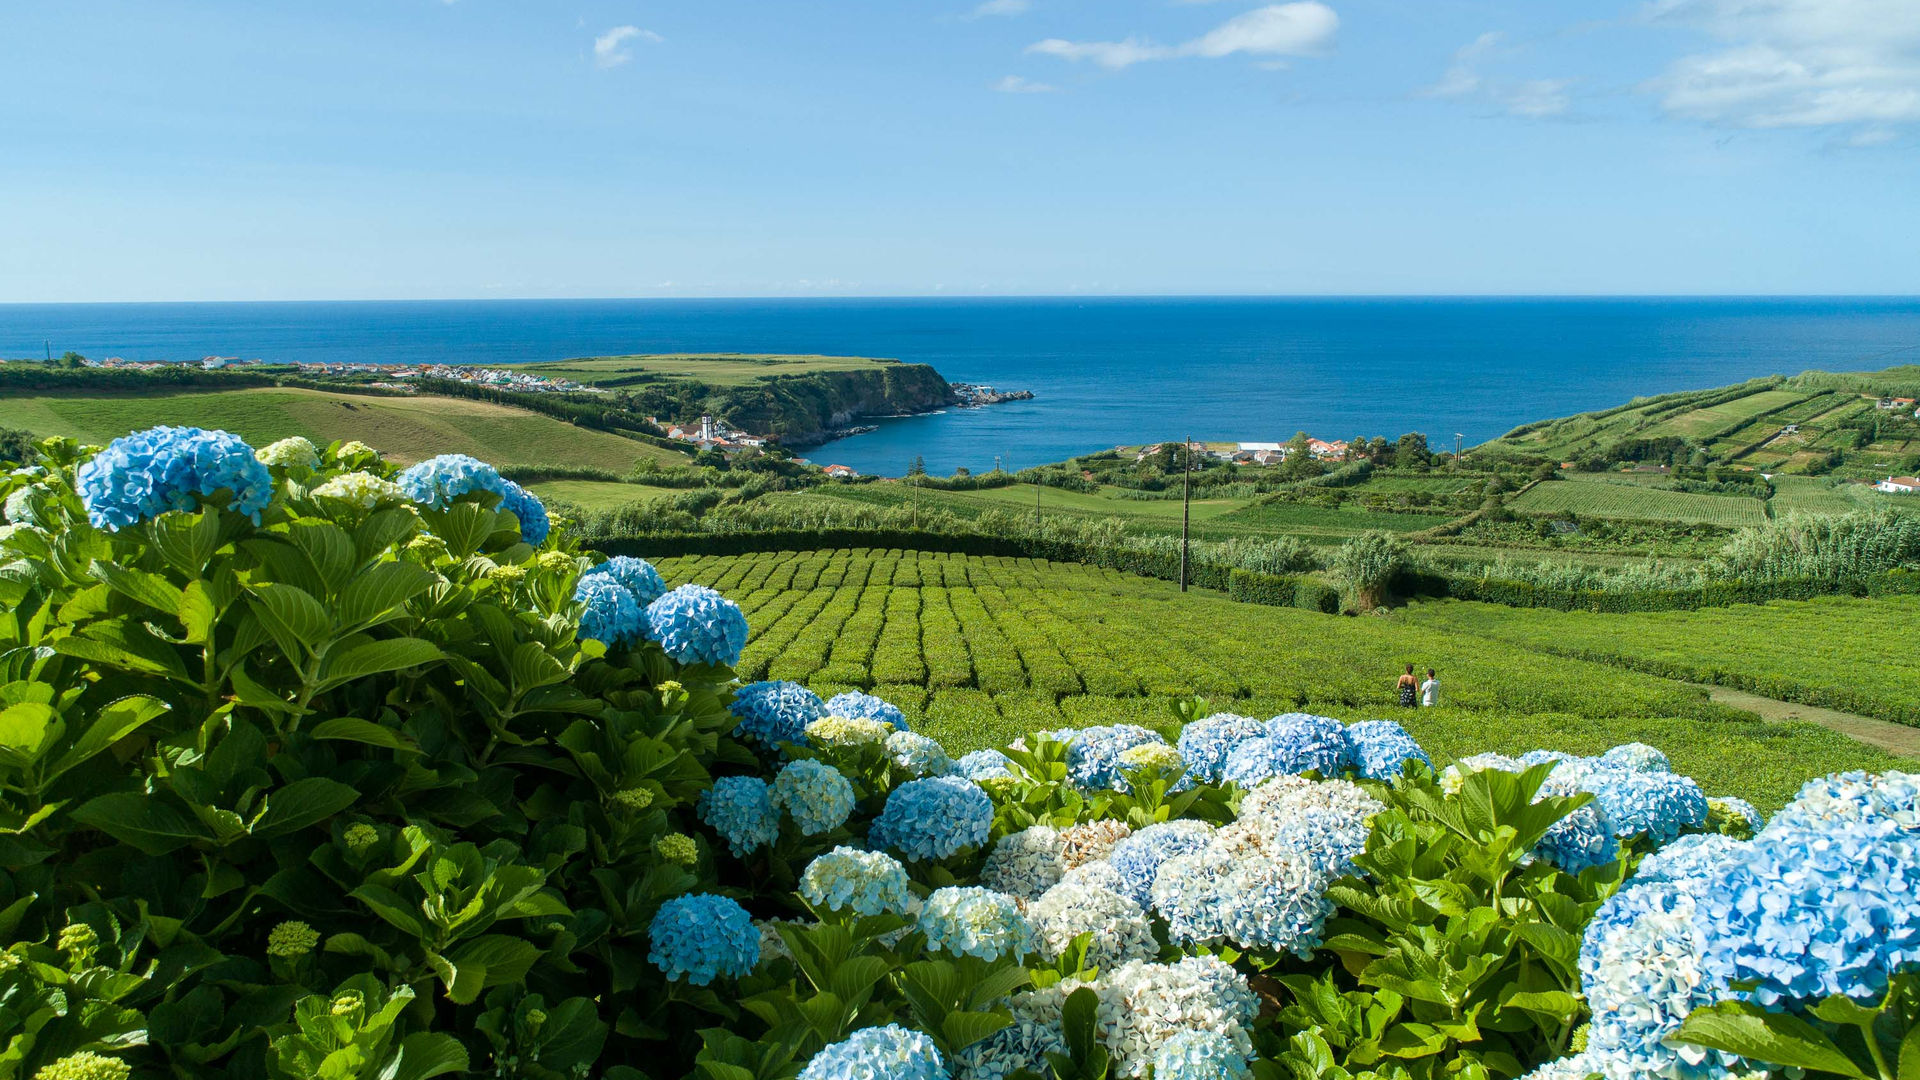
(1816,495)
(713,369)
(983,650)
(1698,423)
(1633,502)
(406,429)
(1854,655)
(1213,519)
(598,494)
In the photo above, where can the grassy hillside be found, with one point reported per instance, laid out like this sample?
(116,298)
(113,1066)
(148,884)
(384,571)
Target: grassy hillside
(1632,502)
(981,650)
(406,428)
(712,369)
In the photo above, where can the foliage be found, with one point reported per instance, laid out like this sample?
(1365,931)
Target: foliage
(339,793)
(1366,565)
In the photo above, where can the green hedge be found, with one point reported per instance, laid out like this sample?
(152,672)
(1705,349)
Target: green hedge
(1715,594)
(1253,587)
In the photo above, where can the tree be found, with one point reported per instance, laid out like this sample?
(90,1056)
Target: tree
(1300,463)
(71,359)
(1381,451)
(1411,451)
(961,472)
(919,466)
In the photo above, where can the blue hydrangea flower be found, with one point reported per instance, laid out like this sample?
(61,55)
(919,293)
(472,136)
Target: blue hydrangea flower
(609,614)
(1636,757)
(775,712)
(867,882)
(527,507)
(637,575)
(1139,856)
(984,765)
(1206,743)
(1541,757)
(700,937)
(740,809)
(934,818)
(972,921)
(917,754)
(1641,969)
(1657,805)
(148,473)
(1584,838)
(1381,749)
(1199,1055)
(1275,903)
(1824,904)
(858,706)
(438,482)
(1314,742)
(1700,857)
(815,795)
(696,625)
(1093,756)
(879,1053)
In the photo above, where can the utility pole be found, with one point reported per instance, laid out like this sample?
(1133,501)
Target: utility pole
(914,479)
(1456,445)
(1186,508)
(1036,506)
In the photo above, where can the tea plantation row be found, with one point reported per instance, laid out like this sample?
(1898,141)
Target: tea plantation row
(983,650)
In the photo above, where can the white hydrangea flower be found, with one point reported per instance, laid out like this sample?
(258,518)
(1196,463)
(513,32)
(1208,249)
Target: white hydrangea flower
(289,453)
(1093,841)
(847,731)
(1121,931)
(1026,864)
(1143,1004)
(362,489)
(354,448)
(1101,875)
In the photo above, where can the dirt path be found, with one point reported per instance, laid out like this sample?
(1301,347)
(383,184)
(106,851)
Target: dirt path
(1893,738)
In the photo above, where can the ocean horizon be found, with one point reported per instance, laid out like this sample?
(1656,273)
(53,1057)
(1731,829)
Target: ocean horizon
(1105,371)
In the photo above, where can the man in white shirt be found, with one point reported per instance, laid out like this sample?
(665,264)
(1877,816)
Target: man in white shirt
(1430,690)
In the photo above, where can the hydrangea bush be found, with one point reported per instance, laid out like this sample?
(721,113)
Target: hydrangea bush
(313,766)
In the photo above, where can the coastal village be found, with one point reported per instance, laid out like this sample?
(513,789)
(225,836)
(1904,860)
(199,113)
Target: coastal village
(1255,453)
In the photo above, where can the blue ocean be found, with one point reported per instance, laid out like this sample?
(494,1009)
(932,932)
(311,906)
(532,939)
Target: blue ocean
(1105,372)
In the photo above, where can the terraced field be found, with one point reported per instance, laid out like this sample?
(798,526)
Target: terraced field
(980,650)
(1700,423)
(598,494)
(1632,502)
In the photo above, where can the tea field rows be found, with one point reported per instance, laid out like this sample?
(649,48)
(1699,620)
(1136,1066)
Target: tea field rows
(983,650)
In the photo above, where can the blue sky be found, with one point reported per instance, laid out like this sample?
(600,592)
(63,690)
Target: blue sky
(524,148)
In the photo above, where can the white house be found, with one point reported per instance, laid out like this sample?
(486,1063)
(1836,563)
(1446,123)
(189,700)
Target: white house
(1899,485)
(840,472)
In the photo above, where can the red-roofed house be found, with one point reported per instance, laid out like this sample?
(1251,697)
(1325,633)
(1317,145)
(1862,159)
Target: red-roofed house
(840,472)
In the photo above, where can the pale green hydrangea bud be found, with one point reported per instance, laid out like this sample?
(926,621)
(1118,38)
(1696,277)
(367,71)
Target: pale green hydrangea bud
(360,837)
(634,799)
(348,1004)
(79,941)
(1152,756)
(85,1065)
(289,453)
(292,938)
(362,489)
(507,576)
(677,848)
(847,731)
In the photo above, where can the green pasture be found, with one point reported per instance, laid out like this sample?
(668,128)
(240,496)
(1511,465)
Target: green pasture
(983,650)
(406,429)
(598,494)
(714,369)
(1633,502)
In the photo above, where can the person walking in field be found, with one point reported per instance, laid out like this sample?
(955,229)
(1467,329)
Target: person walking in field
(1409,686)
(1430,690)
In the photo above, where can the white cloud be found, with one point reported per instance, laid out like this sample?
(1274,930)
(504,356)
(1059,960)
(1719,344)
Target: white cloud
(1019,84)
(1797,63)
(611,48)
(1001,7)
(1296,29)
(1465,79)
